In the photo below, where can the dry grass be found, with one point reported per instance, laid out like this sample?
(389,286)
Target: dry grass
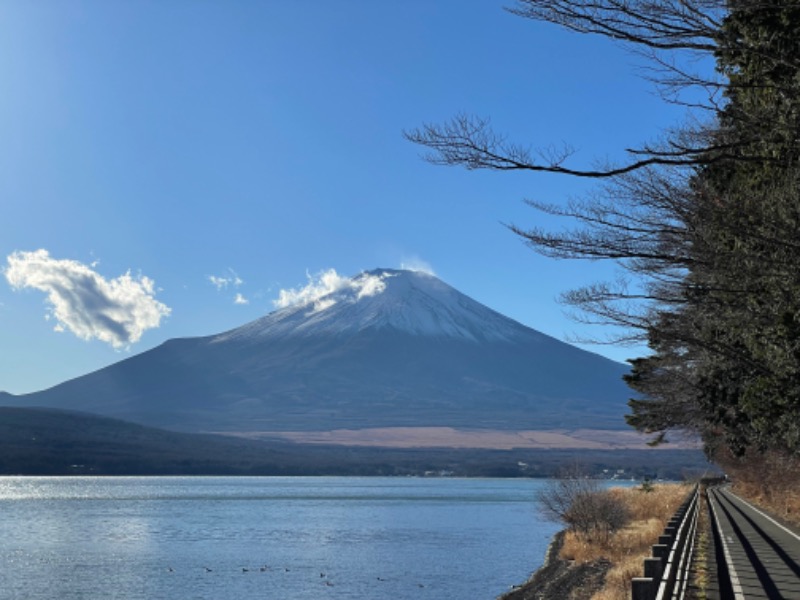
(770,480)
(700,564)
(784,503)
(627,548)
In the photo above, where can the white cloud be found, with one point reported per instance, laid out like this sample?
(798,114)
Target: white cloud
(229,279)
(218,282)
(415,263)
(318,286)
(239,299)
(116,311)
(369,285)
(323,304)
(328,282)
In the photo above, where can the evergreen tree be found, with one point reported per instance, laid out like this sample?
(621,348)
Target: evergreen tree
(742,315)
(706,223)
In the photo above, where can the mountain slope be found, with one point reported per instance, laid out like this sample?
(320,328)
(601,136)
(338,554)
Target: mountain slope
(384,349)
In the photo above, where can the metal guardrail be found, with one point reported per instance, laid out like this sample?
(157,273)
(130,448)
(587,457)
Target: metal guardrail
(666,573)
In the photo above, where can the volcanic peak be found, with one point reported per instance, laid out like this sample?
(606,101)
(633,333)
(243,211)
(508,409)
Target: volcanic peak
(412,302)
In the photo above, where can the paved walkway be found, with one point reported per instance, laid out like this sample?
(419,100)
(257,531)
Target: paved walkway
(761,556)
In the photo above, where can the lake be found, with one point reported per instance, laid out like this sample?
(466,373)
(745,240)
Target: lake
(233,538)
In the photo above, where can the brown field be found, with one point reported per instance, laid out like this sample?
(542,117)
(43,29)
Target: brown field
(447,437)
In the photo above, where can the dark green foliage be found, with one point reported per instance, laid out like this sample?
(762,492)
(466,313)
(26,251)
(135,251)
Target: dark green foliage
(715,248)
(758,50)
(740,325)
(705,224)
(727,360)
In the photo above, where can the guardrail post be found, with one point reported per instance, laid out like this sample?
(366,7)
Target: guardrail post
(653,568)
(661,551)
(643,588)
(669,562)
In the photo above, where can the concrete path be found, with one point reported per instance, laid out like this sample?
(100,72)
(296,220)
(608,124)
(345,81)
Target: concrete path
(761,556)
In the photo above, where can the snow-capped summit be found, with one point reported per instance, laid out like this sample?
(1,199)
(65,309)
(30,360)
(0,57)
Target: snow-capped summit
(412,302)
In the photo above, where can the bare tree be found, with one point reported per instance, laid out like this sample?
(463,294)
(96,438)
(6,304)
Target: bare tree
(582,504)
(703,223)
(673,35)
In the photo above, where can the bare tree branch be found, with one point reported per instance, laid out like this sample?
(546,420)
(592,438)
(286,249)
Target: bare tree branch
(659,24)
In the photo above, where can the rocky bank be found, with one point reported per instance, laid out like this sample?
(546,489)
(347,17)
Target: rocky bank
(559,579)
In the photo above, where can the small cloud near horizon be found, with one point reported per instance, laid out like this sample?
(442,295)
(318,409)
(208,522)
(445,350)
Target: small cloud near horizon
(116,311)
(239,299)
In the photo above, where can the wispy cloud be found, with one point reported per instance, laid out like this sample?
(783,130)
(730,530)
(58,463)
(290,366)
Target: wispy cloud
(414,263)
(229,279)
(327,282)
(116,311)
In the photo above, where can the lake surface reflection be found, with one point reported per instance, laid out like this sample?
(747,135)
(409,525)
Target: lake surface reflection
(267,537)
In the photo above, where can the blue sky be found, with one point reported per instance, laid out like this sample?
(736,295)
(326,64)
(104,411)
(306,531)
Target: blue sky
(186,160)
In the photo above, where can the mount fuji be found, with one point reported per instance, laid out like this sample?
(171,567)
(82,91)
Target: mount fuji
(385,349)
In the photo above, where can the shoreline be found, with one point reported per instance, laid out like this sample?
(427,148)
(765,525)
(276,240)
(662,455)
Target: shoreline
(517,592)
(558,578)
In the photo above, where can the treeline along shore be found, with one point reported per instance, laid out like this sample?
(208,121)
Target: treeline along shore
(55,442)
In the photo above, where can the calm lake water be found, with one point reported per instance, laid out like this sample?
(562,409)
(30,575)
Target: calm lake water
(233,538)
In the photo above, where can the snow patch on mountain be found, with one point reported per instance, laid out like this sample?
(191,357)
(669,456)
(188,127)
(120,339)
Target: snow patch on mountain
(384,299)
